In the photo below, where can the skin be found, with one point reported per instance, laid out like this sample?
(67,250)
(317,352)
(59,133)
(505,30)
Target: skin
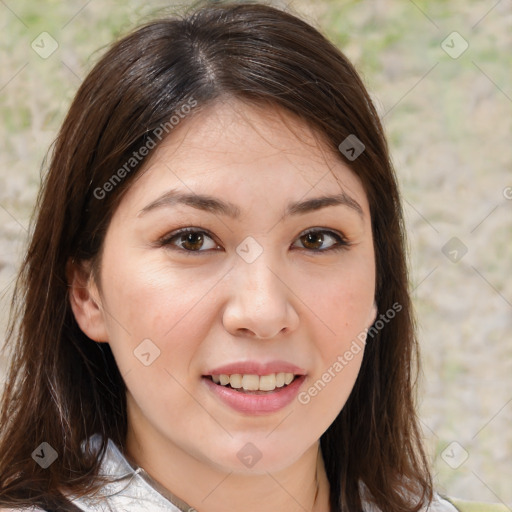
(205,309)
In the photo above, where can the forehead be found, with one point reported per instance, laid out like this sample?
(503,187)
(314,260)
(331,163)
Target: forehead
(254,150)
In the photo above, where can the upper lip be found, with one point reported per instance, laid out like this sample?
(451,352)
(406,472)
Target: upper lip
(257,368)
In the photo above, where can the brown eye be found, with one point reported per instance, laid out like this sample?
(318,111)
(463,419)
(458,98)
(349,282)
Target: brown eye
(192,241)
(314,240)
(189,240)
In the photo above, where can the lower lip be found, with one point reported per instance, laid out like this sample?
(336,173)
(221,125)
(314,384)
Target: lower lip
(256,404)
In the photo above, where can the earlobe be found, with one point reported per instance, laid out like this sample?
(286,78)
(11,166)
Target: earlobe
(372,315)
(85,302)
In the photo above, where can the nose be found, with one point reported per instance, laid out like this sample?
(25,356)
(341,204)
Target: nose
(260,303)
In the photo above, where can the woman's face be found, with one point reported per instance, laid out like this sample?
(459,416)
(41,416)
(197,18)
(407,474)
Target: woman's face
(270,281)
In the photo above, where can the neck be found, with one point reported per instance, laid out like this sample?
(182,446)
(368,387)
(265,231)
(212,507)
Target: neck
(301,487)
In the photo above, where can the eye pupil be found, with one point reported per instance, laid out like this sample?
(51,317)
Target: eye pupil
(310,239)
(195,239)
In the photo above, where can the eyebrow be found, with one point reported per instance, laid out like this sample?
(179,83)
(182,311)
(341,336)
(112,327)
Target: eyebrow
(220,207)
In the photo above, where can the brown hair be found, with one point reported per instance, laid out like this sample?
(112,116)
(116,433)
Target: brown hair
(63,387)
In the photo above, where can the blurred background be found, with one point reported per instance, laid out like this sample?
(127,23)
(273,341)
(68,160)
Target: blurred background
(440,75)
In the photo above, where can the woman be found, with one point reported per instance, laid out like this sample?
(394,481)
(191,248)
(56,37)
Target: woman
(213,311)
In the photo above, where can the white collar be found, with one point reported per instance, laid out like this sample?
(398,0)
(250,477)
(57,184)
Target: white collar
(133,489)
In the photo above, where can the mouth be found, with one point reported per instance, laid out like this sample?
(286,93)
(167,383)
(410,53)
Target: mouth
(252,384)
(252,394)
(252,387)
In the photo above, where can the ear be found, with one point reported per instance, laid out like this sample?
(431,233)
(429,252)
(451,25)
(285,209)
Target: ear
(85,301)
(372,315)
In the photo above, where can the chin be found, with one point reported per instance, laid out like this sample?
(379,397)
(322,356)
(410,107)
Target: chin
(257,458)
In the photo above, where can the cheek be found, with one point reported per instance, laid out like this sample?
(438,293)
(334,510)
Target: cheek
(153,301)
(327,390)
(165,313)
(342,300)
(343,307)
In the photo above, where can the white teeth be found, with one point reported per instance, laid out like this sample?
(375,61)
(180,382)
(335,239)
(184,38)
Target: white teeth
(267,382)
(235,381)
(280,380)
(252,382)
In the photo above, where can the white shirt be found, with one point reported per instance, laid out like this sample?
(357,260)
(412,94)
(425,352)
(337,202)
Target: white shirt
(135,491)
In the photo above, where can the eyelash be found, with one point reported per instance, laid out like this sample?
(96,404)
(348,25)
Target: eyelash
(342,242)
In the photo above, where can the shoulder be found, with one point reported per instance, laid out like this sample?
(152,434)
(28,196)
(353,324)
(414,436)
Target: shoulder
(474,506)
(449,504)
(440,504)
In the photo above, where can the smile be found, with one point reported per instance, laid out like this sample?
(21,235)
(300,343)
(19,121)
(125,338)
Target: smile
(254,383)
(257,400)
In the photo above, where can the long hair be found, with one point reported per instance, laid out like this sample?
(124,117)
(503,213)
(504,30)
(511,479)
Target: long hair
(62,387)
